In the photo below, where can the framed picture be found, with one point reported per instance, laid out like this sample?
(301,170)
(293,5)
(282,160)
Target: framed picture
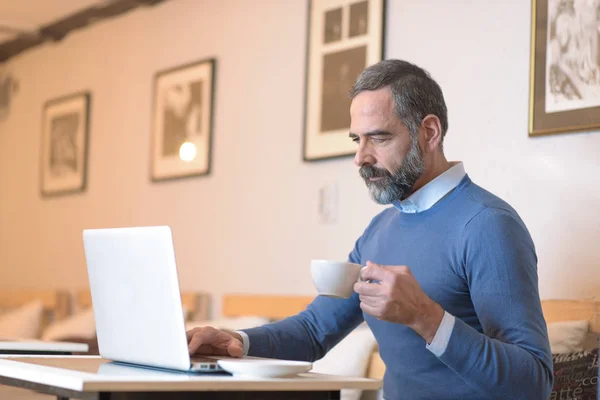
(65,130)
(565,66)
(344,37)
(182,121)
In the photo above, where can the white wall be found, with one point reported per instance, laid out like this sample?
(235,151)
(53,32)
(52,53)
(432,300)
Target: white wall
(252,225)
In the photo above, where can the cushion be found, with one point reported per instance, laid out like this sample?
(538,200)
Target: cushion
(79,325)
(567,336)
(575,375)
(23,322)
(231,324)
(350,357)
(186,313)
(592,341)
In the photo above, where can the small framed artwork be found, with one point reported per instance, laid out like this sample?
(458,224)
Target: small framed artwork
(344,37)
(182,121)
(65,131)
(565,67)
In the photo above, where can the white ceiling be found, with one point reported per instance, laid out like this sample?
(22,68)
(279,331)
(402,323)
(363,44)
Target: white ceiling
(29,15)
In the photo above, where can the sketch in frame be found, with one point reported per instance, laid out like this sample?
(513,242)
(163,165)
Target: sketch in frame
(65,133)
(565,67)
(182,121)
(344,38)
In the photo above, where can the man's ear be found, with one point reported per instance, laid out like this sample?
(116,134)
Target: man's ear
(430,133)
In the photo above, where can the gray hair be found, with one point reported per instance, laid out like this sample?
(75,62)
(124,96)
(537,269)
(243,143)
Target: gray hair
(414,92)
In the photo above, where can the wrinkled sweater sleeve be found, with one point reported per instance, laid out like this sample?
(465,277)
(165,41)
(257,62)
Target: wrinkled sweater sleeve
(511,358)
(310,334)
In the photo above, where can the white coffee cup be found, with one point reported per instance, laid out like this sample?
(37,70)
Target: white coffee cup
(335,278)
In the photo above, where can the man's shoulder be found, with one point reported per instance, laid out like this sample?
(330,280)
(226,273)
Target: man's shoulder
(489,211)
(481,199)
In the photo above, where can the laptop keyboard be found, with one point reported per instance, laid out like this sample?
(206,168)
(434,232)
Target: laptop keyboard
(200,359)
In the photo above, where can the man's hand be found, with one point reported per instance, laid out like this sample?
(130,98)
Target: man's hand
(398,298)
(211,341)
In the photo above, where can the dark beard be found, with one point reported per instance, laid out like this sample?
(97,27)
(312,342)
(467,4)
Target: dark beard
(398,185)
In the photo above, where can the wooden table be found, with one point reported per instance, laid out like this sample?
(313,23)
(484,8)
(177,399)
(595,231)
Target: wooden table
(94,378)
(27,346)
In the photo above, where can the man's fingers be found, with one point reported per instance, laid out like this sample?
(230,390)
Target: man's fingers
(195,343)
(369,309)
(371,301)
(208,349)
(189,334)
(211,350)
(373,272)
(200,336)
(235,348)
(209,340)
(367,289)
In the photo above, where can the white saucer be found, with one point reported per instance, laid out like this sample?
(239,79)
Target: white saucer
(264,368)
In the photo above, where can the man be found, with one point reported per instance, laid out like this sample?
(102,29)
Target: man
(452,296)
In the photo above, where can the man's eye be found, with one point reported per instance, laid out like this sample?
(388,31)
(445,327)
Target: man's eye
(355,140)
(378,140)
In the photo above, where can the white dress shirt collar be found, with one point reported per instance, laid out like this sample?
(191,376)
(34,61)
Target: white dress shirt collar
(433,191)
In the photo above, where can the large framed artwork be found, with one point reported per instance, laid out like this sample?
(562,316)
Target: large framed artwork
(182,121)
(344,37)
(565,66)
(65,131)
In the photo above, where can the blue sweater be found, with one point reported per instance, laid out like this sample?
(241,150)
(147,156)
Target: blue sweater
(473,255)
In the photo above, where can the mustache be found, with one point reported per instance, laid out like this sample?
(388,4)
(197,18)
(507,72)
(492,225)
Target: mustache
(368,171)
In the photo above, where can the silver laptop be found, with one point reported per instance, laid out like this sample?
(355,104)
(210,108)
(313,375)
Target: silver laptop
(136,299)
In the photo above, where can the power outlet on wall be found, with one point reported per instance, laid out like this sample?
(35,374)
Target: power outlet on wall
(328,203)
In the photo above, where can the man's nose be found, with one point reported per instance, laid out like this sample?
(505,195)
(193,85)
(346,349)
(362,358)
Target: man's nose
(363,156)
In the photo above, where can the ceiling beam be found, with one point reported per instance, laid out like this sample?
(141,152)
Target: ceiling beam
(57,30)
(5,27)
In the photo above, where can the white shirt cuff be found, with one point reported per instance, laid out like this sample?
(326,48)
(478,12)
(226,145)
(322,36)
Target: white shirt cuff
(245,342)
(442,336)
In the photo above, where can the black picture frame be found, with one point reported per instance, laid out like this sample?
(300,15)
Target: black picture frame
(182,121)
(344,37)
(65,144)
